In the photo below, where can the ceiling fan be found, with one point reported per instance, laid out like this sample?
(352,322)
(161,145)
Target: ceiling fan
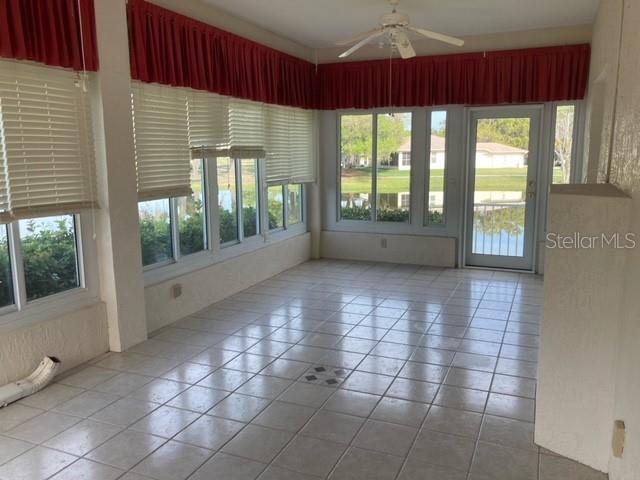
(394,28)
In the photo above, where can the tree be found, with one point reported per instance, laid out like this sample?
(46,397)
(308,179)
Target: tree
(356,138)
(507,131)
(564,140)
(392,133)
(356,131)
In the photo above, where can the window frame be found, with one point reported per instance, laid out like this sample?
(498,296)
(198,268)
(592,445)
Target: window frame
(427,173)
(374,113)
(331,173)
(215,252)
(27,312)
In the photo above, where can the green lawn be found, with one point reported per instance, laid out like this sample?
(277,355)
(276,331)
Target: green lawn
(394,181)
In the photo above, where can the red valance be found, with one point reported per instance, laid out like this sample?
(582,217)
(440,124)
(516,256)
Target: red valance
(52,32)
(176,50)
(515,76)
(172,49)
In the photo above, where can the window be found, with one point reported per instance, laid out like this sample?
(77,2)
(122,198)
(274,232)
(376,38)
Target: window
(50,255)
(6,280)
(227,200)
(46,259)
(393,179)
(389,177)
(250,191)
(238,199)
(175,227)
(437,169)
(563,144)
(294,204)
(45,118)
(240,145)
(356,153)
(275,197)
(192,225)
(155,231)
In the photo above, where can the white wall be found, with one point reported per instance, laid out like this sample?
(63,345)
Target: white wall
(583,293)
(211,284)
(410,249)
(74,338)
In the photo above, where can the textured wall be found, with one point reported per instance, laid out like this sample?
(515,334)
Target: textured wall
(602,88)
(73,338)
(625,173)
(211,284)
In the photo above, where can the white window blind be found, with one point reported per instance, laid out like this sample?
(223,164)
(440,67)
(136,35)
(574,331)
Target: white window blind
(290,145)
(208,122)
(161,136)
(247,129)
(46,142)
(170,122)
(221,126)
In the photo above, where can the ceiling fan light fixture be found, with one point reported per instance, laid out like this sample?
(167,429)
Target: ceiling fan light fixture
(394,27)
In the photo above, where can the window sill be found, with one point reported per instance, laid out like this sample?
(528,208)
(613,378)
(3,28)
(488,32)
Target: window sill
(391,228)
(45,309)
(201,260)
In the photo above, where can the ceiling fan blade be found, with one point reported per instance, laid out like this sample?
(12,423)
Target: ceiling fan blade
(361,43)
(438,36)
(403,45)
(357,38)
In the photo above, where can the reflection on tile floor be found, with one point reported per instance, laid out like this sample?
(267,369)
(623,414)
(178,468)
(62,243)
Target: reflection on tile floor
(338,370)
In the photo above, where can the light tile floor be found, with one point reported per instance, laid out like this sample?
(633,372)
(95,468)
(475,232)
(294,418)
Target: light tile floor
(338,370)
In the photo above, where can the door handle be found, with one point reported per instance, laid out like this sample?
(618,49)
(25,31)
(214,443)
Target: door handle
(531,189)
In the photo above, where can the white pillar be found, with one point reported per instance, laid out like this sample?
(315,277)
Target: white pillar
(121,275)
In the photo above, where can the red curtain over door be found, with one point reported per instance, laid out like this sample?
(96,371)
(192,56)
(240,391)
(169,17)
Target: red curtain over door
(54,32)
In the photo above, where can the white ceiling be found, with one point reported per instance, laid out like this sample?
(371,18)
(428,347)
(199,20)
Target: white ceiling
(320,23)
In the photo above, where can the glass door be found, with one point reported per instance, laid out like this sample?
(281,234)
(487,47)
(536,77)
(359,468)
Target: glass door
(502,182)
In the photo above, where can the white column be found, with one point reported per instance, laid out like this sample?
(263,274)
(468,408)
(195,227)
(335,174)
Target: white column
(121,276)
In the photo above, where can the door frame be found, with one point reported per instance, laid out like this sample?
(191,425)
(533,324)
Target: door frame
(536,113)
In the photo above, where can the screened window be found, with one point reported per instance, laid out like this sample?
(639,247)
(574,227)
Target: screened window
(437,169)
(563,144)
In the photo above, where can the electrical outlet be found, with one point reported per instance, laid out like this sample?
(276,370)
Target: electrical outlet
(176,290)
(383,242)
